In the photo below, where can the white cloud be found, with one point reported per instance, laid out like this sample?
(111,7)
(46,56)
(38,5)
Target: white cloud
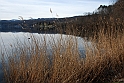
(10,9)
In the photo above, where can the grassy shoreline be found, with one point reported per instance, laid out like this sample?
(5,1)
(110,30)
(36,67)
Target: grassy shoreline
(103,63)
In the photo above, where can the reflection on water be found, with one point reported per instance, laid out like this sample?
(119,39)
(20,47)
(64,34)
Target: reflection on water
(10,40)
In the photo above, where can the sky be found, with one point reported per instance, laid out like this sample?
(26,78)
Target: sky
(12,9)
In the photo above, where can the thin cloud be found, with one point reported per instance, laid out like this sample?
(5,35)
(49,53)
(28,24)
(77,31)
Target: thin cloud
(10,9)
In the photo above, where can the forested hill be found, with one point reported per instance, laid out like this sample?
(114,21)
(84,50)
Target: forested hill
(104,17)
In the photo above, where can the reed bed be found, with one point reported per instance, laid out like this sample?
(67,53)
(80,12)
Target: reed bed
(103,61)
(40,62)
(61,63)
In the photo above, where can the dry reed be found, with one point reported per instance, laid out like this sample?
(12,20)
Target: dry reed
(103,62)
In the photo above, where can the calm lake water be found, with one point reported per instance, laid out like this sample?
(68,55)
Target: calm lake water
(9,40)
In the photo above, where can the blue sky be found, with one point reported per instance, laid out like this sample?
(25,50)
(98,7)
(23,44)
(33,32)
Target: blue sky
(12,9)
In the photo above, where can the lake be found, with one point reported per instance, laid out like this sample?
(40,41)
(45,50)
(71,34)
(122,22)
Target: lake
(11,40)
(8,40)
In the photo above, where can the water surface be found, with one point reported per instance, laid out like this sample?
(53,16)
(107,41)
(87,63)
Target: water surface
(9,41)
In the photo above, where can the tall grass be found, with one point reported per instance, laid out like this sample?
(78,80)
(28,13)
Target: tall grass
(35,63)
(103,61)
